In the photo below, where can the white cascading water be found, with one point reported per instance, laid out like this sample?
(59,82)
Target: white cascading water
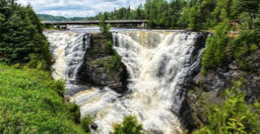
(68,50)
(156,63)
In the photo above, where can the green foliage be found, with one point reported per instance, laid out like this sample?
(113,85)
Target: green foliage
(251,6)
(244,46)
(215,55)
(47,17)
(75,112)
(233,117)
(85,123)
(114,63)
(21,39)
(58,86)
(109,48)
(105,28)
(102,23)
(108,34)
(221,49)
(30,104)
(129,126)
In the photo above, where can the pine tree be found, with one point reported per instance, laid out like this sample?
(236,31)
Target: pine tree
(22,40)
(251,6)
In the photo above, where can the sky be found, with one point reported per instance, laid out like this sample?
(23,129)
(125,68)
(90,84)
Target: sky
(78,8)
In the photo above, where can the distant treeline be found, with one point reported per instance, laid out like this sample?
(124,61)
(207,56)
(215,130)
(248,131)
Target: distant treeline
(195,14)
(47,17)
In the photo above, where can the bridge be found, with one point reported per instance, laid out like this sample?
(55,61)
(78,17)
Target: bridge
(114,23)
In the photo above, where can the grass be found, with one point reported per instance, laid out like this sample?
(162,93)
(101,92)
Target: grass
(30,103)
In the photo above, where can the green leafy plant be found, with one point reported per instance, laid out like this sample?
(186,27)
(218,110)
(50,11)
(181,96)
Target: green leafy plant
(109,48)
(85,123)
(233,117)
(129,126)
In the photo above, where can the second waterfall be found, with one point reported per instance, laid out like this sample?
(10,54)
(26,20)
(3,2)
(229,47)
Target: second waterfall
(159,63)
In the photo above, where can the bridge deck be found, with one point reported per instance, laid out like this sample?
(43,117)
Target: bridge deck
(95,22)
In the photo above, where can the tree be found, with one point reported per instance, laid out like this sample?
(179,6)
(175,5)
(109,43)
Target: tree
(215,55)
(251,6)
(22,40)
(102,23)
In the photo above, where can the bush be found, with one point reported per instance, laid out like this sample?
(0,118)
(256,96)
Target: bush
(114,62)
(75,112)
(233,117)
(109,48)
(85,123)
(58,86)
(129,126)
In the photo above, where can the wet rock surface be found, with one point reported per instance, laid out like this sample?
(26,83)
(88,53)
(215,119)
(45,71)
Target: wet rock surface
(97,73)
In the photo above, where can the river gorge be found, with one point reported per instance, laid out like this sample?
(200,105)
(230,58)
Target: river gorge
(160,64)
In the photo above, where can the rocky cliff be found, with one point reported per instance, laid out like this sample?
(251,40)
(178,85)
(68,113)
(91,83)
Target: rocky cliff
(97,73)
(210,86)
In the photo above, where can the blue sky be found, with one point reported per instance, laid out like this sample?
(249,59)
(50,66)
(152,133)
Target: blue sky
(78,8)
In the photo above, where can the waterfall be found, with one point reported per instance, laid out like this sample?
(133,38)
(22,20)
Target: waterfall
(160,64)
(68,50)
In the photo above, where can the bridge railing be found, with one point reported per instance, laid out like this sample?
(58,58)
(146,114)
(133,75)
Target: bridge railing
(94,21)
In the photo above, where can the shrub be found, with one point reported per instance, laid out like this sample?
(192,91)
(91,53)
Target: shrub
(114,62)
(58,86)
(75,112)
(233,117)
(109,48)
(85,123)
(129,126)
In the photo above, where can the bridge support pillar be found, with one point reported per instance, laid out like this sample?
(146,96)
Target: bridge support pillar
(142,25)
(139,26)
(67,27)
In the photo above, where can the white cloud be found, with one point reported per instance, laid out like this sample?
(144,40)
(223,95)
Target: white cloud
(78,8)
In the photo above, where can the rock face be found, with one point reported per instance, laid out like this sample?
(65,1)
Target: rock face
(210,86)
(97,73)
(222,78)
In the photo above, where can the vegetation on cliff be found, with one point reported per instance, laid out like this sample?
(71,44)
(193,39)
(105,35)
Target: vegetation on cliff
(224,47)
(114,62)
(230,116)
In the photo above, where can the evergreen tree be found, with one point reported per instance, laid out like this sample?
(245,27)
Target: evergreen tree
(21,39)
(251,6)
